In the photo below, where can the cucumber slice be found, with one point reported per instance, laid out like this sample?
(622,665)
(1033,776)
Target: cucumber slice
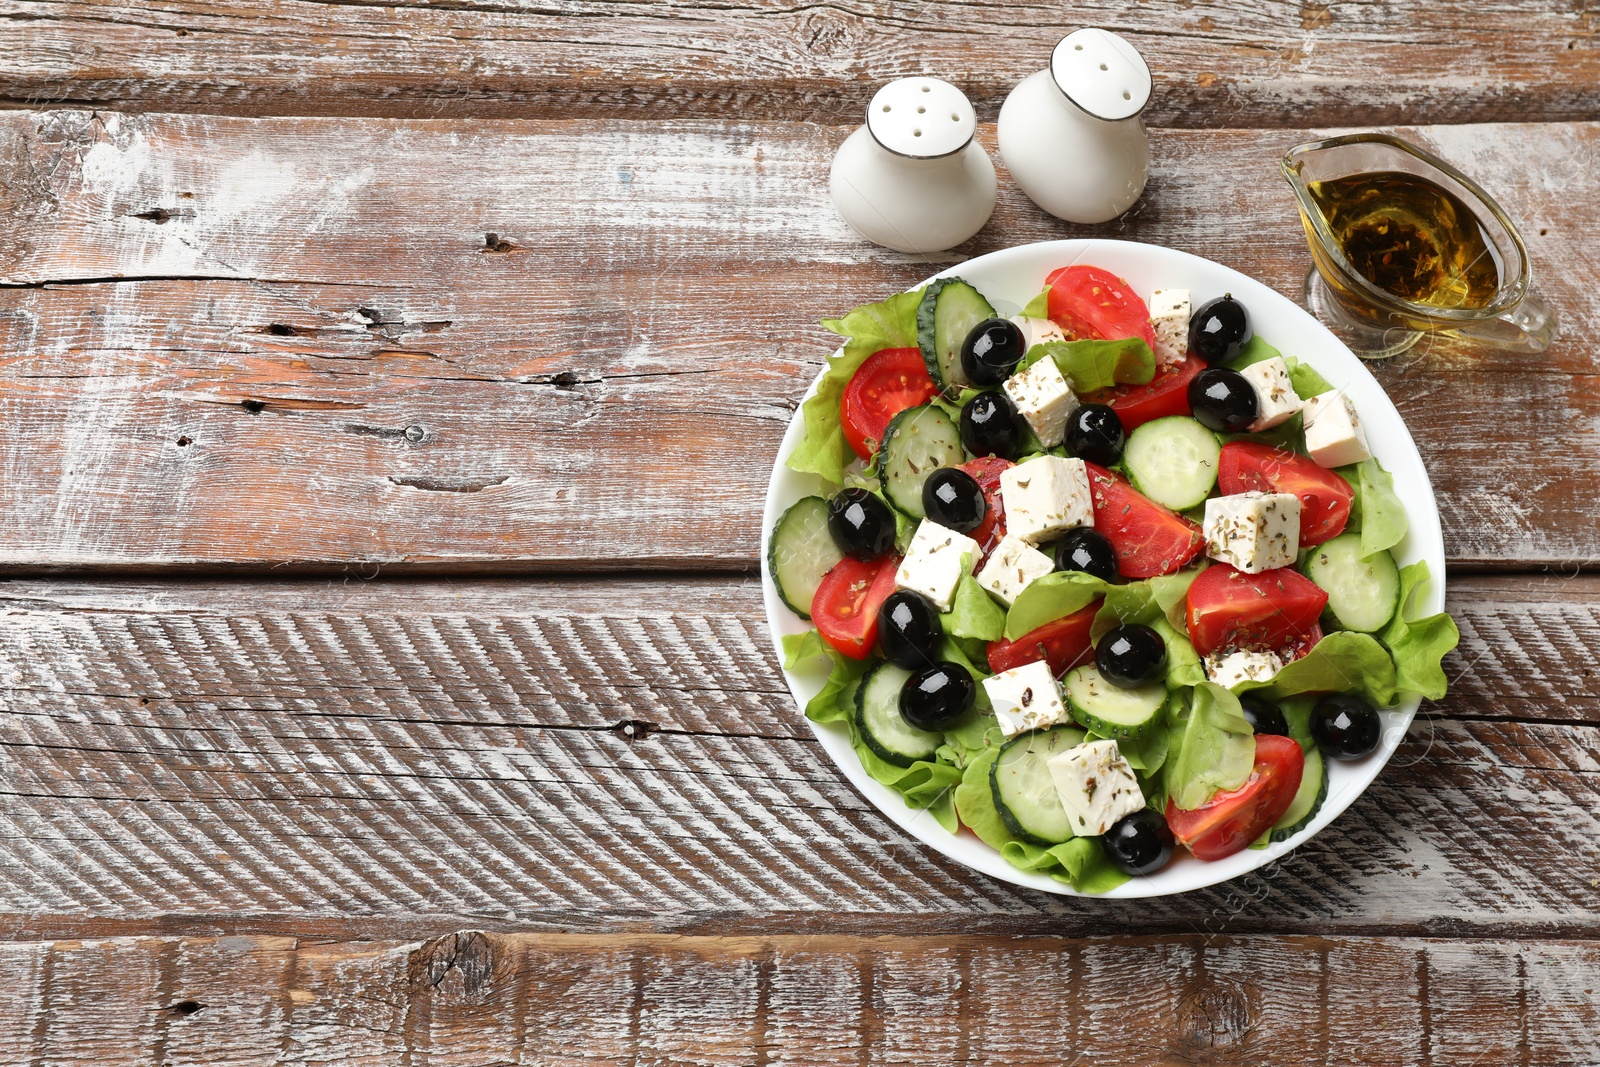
(918,442)
(1110,711)
(1307,800)
(801,553)
(880,723)
(1025,793)
(1173,461)
(949,310)
(1363,593)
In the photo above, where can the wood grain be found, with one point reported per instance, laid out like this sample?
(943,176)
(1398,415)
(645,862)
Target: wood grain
(1252,64)
(488,336)
(467,997)
(623,755)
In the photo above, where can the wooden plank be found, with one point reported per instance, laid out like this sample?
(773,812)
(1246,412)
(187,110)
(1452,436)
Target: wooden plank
(623,755)
(1254,64)
(467,997)
(489,335)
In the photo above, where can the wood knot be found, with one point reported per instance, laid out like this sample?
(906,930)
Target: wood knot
(186,1007)
(496,245)
(631,730)
(462,966)
(254,407)
(1217,1016)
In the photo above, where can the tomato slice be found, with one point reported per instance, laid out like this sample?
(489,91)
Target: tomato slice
(1325,497)
(1165,394)
(845,607)
(1230,822)
(1092,302)
(1228,609)
(1148,538)
(986,472)
(888,382)
(1063,644)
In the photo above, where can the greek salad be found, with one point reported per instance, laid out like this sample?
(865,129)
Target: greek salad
(1100,581)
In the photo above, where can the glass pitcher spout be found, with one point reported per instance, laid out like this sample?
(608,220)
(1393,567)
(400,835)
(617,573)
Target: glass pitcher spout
(1402,245)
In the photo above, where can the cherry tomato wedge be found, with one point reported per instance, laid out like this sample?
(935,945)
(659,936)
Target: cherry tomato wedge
(986,472)
(1301,645)
(845,607)
(1165,394)
(1062,644)
(1230,822)
(1228,609)
(1148,538)
(1325,497)
(887,383)
(1092,302)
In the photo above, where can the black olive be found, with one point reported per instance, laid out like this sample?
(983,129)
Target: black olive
(1263,717)
(1223,400)
(936,697)
(1094,433)
(908,630)
(1140,843)
(1345,727)
(1131,656)
(990,426)
(1219,330)
(992,350)
(861,524)
(1088,551)
(952,498)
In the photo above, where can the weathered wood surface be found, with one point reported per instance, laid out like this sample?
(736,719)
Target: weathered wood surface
(480,999)
(485,337)
(1254,64)
(387,757)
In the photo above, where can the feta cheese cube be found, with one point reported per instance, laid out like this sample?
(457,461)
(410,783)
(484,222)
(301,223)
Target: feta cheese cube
(1038,331)
(1045,496)
(1012,567)
(1334,437)
(934,563)
(1253,531)
(1228,669)
(1045,398)
(1276,399)
(1025,698)
(1169,315)
(1096,785)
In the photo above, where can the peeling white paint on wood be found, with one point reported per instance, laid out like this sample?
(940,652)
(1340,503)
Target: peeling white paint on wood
(429,397)
(1253,64)
(386,748)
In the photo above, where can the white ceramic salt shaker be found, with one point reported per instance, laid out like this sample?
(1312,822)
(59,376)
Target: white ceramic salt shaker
(913,178)
(1071,134)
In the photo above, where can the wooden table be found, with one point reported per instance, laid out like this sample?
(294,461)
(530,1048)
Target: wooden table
(388,394)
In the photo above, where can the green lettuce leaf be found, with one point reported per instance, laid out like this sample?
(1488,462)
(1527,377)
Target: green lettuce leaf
(1255,350)
(1342,662)
(1183,662)
(1383,516)
(1080,862)
(797,648)
(869,328)
(1305,379)
(1039,306)
(1055,596)
(1212,748)
(1419,645)
(973,613)
(1094,364)
(924,784)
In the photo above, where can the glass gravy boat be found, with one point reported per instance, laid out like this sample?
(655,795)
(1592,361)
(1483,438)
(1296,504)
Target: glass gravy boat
(1377,322)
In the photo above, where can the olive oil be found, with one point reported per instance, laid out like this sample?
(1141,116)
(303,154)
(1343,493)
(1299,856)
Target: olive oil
(1410,237)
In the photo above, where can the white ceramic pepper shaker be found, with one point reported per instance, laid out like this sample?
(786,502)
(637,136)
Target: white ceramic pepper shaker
(913,178)
(1071,134)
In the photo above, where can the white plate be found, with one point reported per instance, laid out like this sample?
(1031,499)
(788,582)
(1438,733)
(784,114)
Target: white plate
(1011,277)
